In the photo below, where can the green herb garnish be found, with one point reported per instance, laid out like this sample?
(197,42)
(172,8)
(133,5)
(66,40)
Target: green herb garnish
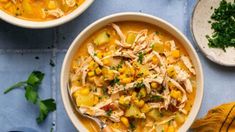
(109,112)
(139,85)
(140,57)
(223,25)
(31,94)
(116,80)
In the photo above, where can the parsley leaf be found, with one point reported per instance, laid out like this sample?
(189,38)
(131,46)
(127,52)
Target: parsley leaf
(17,85)
(31,86)
(35,78)
(141,57)
(109,112)
(45,106)
(31,94)
(116,80)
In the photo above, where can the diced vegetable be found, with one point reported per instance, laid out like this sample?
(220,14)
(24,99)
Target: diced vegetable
(133,111)
(85,100)
(154,114)
(159,47)
(125,121)
(27,7)
(102,38)
(179,118)
(131,37)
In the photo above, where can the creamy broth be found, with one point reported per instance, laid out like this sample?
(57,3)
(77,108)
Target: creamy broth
(163,78)
(39,10)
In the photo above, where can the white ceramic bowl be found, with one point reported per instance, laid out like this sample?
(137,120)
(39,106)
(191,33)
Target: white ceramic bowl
(130,17)
(45,24)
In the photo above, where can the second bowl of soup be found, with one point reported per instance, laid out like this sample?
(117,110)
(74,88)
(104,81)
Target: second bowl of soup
(134,72)
(41,13)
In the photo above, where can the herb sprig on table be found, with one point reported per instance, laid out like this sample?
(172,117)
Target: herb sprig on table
(31,86)
(223,24)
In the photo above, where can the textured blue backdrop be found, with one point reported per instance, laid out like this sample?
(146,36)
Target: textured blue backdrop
(19,47)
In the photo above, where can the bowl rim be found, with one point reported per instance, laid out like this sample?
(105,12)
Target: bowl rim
(199,96)
(198,45)
(45,24)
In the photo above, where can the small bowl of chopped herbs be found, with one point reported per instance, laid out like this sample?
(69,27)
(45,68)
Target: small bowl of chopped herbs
(213,29)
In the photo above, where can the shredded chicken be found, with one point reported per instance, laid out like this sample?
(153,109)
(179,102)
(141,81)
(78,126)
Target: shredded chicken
(55,12)
(92,53)
(70,3)
(188,64)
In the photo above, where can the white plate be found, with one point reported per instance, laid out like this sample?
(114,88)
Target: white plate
(200,28)
(45,24)
(130,17)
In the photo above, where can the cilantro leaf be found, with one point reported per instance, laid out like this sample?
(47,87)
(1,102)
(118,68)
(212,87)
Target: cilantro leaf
(17,85)
(31,94)
(45,106)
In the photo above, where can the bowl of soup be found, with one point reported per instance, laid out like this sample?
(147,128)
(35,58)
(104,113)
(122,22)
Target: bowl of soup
(135,72)
(41,13)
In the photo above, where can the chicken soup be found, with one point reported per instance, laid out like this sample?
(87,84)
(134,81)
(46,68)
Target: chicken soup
(134,77)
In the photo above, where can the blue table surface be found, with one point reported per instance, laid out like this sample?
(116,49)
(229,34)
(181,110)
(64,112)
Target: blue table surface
(19,47)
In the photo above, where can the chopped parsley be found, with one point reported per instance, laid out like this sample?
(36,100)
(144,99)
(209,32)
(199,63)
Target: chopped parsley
(116,80)
(156,98)
(139,85)
(140,57)
(132,126)
(109,112)
(223,25)
(31,86)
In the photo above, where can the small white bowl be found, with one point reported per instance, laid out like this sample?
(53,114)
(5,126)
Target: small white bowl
(200,28)
(130,17)
(45,24)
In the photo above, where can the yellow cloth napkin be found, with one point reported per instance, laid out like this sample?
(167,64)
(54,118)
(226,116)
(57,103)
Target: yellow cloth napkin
(218,119)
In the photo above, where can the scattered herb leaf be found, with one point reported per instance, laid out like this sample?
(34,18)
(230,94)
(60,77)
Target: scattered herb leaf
(140,57)
(31,94)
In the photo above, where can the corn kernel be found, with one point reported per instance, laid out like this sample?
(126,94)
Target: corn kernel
(106,61)
(170,71)
(175,53)
(155,60)
(96,99)
(98,71)
(154,85)
(91,73)
(52,4)
(133,96)
(143,92)
(145,108)
(92,65)
(76,94)
(176,94)
(139,103)
(85,91)
(171,129)
(99,55)
(126,80)
(123,101)
(122,70)
(125,121)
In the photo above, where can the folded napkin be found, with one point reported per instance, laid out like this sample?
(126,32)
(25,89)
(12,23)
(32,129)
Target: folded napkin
(218,119)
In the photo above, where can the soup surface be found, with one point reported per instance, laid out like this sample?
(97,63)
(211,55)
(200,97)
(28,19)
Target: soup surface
(134,77)
(39,10)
